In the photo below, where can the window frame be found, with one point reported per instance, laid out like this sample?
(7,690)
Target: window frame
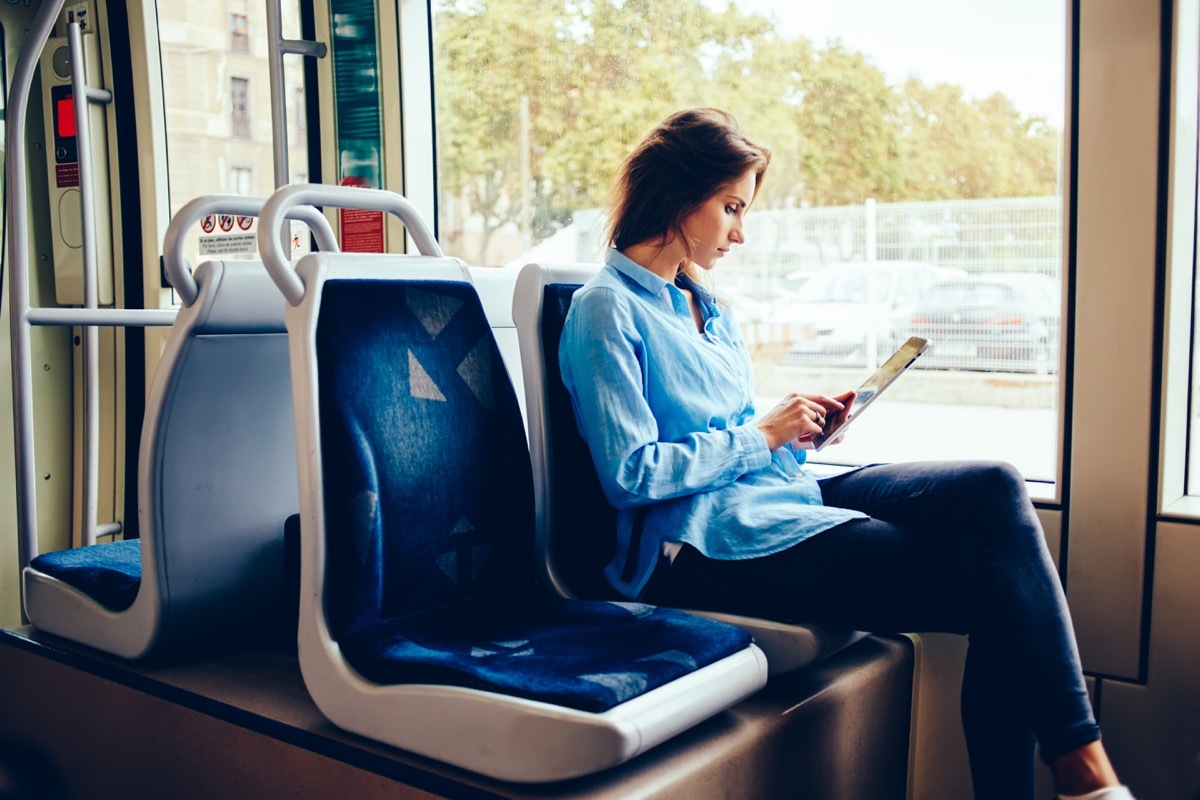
(1180,296)
(239,35)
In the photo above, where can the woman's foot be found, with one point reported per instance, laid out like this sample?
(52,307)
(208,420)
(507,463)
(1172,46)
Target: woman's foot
(1086,772)
(1107,793)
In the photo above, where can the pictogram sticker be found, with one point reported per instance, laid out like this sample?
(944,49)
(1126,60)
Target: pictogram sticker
(225,221)
(208,223)
(245,222)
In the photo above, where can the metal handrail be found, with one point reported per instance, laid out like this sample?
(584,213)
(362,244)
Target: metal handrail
(280,204)
(176,265)
(18,259)
(84,96)
(277,48)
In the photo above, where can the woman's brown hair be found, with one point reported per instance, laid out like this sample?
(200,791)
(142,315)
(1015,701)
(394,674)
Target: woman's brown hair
(679,165)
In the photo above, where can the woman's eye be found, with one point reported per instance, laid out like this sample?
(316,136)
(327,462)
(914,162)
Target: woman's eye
(731,209)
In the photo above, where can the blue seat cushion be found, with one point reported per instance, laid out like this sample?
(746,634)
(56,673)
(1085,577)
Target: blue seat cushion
(109,573)
(586,655)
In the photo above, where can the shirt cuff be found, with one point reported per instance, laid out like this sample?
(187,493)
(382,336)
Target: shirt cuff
(752,443)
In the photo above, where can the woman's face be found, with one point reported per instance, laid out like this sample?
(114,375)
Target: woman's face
(715,227)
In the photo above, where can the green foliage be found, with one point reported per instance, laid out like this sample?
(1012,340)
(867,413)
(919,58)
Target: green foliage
(597,74)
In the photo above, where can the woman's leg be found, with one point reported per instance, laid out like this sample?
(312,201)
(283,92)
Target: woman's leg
(951,547)
(1016,600)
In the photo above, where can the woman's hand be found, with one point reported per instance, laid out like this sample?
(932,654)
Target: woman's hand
(801,417)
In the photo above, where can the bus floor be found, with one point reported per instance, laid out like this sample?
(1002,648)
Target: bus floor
(238,723)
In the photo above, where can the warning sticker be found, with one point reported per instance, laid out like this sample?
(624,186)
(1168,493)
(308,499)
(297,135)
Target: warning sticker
(362,231)
(209,223)
(225,221)
(228,245)
(245,222)
(66,175)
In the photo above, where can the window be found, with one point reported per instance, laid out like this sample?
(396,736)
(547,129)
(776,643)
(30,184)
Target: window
(1180,431)
(239,34)
(239,107)
(241,181)
(3,146)
(211,144)
(1193,462)
(912,148)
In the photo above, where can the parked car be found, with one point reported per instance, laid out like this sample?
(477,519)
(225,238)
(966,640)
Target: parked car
(841,309)
(1004,322)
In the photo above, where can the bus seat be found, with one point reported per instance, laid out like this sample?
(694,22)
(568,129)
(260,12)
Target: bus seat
(216,479)
(421,624)
(495,287)
(574,519)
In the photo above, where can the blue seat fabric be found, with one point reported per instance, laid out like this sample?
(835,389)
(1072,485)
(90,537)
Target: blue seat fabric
(585,520)
(429,516)
(588,655)
(109,573)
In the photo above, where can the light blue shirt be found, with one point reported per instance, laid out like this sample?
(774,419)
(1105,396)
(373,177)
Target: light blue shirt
(667,414)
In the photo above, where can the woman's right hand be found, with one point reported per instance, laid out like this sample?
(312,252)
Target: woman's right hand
(798,416)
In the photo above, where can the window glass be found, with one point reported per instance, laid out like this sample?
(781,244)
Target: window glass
(915,145)
(216,91)
(3,149)
(239,35)
(239,107)
(1193,459)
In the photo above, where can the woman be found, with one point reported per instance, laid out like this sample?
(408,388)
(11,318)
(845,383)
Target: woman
(715,509)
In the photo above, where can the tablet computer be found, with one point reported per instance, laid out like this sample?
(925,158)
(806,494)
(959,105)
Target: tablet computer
(882,378)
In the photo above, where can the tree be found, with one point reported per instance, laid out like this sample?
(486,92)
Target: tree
(597,74)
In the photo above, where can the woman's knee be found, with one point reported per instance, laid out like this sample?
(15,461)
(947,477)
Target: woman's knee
(992,480)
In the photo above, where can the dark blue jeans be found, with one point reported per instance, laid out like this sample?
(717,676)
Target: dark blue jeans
(949,546)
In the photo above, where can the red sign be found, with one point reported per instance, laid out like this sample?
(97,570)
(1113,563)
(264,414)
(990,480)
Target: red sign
(208,223)
(362,231)
(66,175)
(225,221)
(245,222)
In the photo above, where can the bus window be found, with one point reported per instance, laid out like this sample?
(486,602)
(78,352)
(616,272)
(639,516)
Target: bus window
(216,88)
(913,151)
(3,145)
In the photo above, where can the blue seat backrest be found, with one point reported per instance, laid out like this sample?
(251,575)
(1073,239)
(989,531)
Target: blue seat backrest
(428,487)
(580,506)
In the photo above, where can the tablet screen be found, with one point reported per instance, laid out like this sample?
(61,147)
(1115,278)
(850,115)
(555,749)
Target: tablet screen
(872,387)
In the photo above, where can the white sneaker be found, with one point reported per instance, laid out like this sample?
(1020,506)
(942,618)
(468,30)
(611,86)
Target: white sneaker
(1107,793)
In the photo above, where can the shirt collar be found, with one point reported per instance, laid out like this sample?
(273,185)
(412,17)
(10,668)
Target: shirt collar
(650,281)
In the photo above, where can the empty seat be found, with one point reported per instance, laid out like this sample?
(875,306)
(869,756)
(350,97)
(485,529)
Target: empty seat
(421,623)
(576,525)
(216,479)
(216,474)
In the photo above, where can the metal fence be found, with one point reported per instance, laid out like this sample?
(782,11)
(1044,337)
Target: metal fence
(987,314)
(895,254)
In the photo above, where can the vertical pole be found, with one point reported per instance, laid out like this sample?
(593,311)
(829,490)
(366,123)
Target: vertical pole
(873,315)
(83,97)
(279,135)
(17,230)
(526,177)
(277,47)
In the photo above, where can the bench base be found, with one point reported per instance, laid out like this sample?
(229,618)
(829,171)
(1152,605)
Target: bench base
(239,723)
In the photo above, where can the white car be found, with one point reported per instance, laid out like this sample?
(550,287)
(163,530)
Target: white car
(845,309)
